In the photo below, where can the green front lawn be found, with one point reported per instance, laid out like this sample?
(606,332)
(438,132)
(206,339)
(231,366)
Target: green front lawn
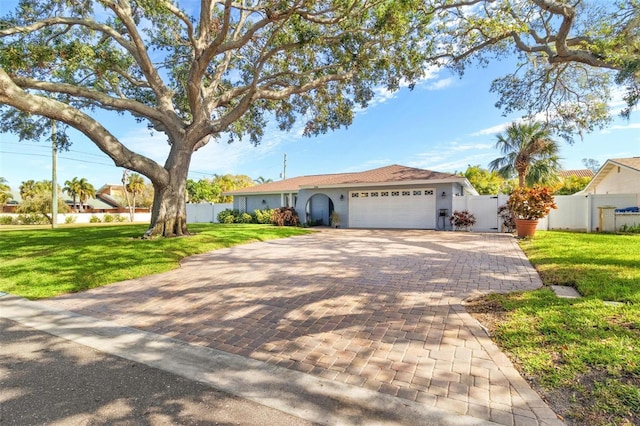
(41,263)
(584,354)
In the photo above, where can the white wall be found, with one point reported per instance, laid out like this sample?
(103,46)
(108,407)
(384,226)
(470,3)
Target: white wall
(205,212)
(86,217)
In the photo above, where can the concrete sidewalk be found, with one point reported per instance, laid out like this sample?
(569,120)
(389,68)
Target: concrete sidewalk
(48,380)
(118,392)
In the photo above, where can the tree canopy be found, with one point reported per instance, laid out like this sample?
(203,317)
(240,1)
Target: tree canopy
(221,69)
(571,54)
(484,181)
(5,192)
(224,69)
(36,198)
(529,153)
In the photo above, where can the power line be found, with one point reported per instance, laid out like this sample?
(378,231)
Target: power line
(64,158)
(45,147)
(87,161)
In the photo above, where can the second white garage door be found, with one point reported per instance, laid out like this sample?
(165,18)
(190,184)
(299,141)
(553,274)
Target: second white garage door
(415,208)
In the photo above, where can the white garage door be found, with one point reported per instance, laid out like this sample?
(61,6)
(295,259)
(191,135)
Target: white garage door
(414,208)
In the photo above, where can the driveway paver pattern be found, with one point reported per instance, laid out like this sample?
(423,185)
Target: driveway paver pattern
(380,309)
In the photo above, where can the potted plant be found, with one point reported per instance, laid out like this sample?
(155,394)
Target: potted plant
(528,206)
(335,219)
(462,220)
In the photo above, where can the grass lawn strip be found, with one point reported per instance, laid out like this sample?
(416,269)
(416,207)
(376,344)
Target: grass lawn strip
(581,354)
(42,263)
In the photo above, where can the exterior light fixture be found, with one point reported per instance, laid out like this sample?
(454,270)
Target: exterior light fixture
(341,197)
(444,194)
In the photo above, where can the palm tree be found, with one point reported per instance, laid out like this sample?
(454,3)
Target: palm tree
(135,185)
(71,187)
(5,194)
(529,152)
(85,191)
(28,189)
(262,180)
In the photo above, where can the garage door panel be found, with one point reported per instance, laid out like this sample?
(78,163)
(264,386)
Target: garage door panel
(392,209)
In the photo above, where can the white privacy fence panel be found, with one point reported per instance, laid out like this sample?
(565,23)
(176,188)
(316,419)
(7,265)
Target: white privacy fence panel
(572,213)
(575,212)
(484,208)
(205,212)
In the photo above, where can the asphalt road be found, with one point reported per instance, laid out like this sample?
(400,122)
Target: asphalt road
(49,380)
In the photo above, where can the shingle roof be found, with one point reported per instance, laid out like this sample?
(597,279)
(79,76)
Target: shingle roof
(632,162)
(388,174)
(580,173)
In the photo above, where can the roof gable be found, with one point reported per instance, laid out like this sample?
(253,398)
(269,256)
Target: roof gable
(632,163)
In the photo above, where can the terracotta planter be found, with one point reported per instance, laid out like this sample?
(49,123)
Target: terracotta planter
(526,227)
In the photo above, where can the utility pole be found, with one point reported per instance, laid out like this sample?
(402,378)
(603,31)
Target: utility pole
(283,175)
(54,176)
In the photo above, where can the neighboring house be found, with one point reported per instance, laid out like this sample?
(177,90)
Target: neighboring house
(105,201)
(388,197)
(579,173)
(616,176)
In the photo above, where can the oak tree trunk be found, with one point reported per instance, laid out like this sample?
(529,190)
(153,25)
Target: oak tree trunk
(169,211)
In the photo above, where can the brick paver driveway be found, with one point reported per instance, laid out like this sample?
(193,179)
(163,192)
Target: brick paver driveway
(379,309)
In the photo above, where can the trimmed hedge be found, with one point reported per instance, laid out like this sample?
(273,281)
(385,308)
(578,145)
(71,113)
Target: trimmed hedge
(284,216)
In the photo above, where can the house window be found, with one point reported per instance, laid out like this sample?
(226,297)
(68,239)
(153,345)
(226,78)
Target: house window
(384,194)
(406,193)
(243,204)
(374,194)
(364,194)
(395,193)
(417,192)
(354,195)
(428,192)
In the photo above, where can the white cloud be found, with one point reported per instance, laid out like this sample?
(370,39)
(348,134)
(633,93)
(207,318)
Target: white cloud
(145,142)
(491,130)
(629,126)
(441,84)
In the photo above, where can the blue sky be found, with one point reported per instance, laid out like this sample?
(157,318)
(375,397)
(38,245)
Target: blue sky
(444,124)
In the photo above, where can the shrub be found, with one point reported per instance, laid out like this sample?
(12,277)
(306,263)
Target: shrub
(6,220)
(70,219)
(108,218)
(32,219)
(223,216)
(244,218)
(285,216)
(462,219)
(119,218)
(531,203)
(632,229)
(263,216)
(508,218)
(94,219)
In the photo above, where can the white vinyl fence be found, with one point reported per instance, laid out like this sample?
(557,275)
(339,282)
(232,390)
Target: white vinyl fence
(205,212)
(94,217)
(578,212)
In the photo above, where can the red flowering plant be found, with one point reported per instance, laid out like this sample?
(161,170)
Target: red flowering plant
(531,203)
(462,220)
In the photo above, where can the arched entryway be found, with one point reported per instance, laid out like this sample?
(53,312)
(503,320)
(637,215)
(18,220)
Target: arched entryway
(318,210)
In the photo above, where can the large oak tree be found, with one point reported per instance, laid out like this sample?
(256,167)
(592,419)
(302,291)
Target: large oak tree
(223,68)
(219,69)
